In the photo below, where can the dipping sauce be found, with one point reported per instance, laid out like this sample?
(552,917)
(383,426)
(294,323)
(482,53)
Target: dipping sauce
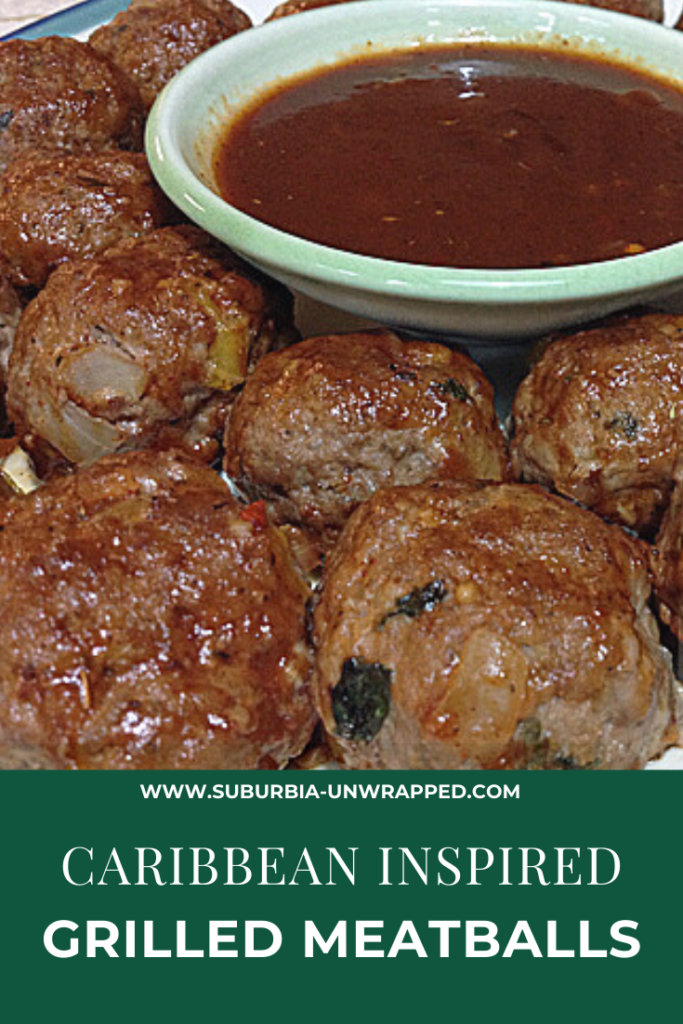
(465,156)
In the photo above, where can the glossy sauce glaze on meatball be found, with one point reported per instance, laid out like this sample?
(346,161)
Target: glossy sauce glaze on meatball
(148,620)
(489,626)
(597,417)
(140,346)
(153,39)
(323,424)
(60,206)
(60,93)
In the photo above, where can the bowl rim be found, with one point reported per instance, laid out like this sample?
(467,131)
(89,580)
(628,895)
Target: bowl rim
(295,256)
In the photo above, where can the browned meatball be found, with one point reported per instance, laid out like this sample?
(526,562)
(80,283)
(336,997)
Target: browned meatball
(289,7)
(147,620)
(139,346)
(322,425)
(61,93)
(596,417)
(60,206)
(153,39)
(489,626)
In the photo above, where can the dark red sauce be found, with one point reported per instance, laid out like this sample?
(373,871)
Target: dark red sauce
(468,156)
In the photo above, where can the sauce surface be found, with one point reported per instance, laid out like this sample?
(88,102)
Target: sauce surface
(469,156)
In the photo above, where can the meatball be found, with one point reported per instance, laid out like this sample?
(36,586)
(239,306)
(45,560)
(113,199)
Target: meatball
(139,346)
(148,620)
(153,39)
(322,425)
(60,206)
(466,625)
(61,93)
(596,417)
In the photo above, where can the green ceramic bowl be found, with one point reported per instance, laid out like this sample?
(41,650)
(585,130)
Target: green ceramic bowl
(479,304)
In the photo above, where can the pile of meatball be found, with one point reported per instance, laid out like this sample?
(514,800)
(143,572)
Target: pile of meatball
(246,548)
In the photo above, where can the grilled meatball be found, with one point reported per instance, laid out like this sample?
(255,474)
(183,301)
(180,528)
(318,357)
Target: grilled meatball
(139,346)
(60,206)
(147,620)
(596,417)
(320,426)
(153,39)
(60,93)
(466,625)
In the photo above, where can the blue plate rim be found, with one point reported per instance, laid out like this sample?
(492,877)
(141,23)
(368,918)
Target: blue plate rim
(81,17)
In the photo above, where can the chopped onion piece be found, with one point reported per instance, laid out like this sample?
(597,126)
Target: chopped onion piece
(18,471)
(76,434)
(229,356)
(104,371)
